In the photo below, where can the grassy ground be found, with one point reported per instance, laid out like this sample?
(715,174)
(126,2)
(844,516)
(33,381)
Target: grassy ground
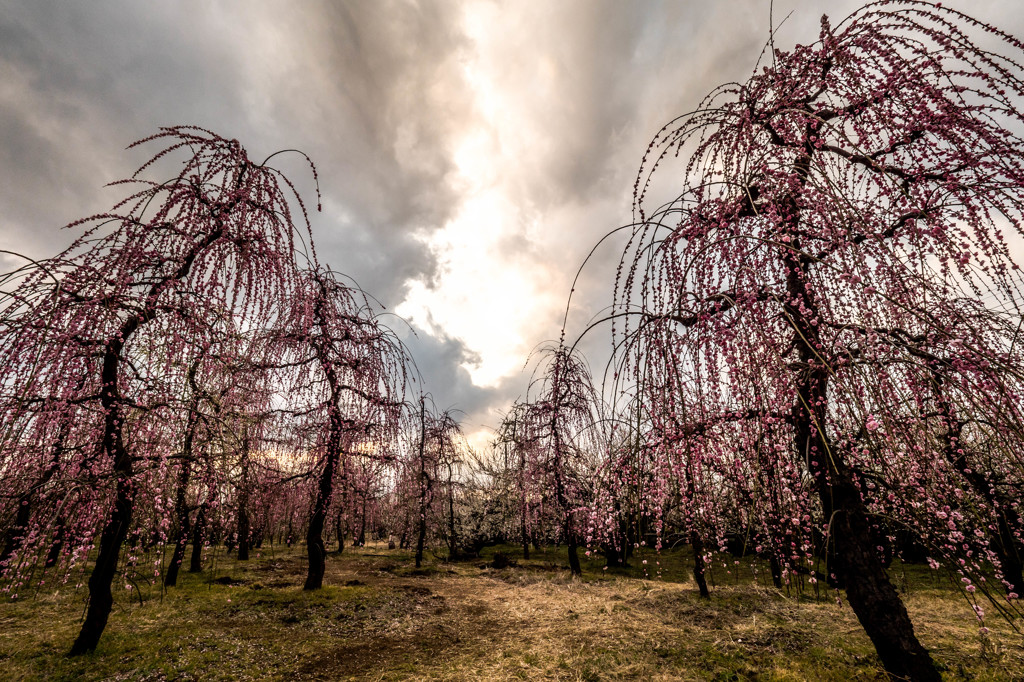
(381,619)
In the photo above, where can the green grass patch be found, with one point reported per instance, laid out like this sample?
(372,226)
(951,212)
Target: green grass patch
(378,617)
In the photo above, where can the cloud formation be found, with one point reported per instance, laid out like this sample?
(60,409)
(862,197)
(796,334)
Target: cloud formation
(470,153)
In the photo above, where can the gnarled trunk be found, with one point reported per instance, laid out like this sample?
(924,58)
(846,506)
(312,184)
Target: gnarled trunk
(101,600)
(855,562)
(315,548)
(871,594)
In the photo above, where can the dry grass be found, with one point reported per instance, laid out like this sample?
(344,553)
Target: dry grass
(379,619)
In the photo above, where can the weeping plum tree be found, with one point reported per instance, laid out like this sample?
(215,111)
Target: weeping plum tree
(453,451)
(352,372)
(829,302)
(556,433)
(428,477)
(511,447)
(97,342)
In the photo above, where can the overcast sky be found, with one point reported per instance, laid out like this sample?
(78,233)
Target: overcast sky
(470,153)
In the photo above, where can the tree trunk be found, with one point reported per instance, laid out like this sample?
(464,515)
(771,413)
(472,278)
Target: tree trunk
(316,551)
(775,566)
(871,595)
(181,502)
(524,534)
(114,532)
(171,577)
(198,531)
(453,543)
(362,519)
(613,556)
(18,530)
(243,504)
(340,531)
(870,592)
(243,531)
(574,558)
(699,565)
(421,538)
(58,543)
(315,548)
(101,600)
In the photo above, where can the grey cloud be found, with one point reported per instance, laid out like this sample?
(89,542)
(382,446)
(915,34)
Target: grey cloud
(351,87)
(374,94)
(377,94)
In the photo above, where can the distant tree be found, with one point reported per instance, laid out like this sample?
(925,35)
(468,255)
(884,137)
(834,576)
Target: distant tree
(192,444)
(430,476)
(510,449)
(453,457)
(556,434)
(829,309)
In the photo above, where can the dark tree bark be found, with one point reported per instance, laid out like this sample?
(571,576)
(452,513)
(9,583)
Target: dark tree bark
(339,529)
(243,530)
(614,556)
(361,540)
(198,532)
(16,533)
(574,557)
(699,565)
(315,548)
(775,567)
(856,563)
(101,600)
(58,543)
(183,528)
(181,510)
